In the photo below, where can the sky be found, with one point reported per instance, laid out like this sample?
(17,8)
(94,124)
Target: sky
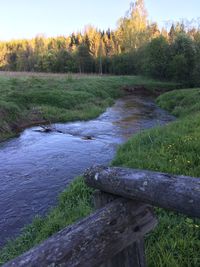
(27,18)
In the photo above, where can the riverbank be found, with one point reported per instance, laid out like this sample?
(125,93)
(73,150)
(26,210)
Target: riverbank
(45,98)
(176,237)
(173,148)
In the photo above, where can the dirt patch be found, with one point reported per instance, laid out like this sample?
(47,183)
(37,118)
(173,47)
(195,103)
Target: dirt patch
(28,119)
(143,91)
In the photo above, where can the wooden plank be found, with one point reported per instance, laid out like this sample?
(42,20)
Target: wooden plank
(93,240)
(133,255)
(177,193)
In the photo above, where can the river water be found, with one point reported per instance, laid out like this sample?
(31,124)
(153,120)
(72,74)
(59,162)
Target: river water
(35,167)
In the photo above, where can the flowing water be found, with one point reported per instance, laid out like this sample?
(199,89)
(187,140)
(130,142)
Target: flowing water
(36,166)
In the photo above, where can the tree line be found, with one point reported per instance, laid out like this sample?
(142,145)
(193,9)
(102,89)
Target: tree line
(137,46)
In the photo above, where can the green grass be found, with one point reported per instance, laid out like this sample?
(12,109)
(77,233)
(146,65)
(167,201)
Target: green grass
(25,100)
(174,148)
(181,102)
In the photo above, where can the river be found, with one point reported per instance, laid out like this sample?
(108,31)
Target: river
(35,167)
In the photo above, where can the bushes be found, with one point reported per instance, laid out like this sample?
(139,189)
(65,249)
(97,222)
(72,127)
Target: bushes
(157,60)
(123,64)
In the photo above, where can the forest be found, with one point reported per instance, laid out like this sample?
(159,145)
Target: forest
(136,46)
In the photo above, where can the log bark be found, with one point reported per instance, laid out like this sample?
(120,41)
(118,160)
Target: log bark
(93,240)
(177,193)
(133,255)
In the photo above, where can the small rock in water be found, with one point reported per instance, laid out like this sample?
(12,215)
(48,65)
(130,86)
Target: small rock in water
(44,129)
(47,130)
(87,137)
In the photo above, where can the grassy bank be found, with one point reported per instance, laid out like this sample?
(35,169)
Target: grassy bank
(181,103)
(175,149)
(28,100)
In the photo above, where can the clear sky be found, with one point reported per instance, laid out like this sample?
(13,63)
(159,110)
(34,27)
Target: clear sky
(27,18)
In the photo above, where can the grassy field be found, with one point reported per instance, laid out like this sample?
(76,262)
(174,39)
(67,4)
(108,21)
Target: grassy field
(27,99)
(173,148)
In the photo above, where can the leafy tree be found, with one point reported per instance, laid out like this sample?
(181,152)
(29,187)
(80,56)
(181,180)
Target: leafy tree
(153,31)
(123,64)
(184,53)
(132,30)
(196,70)
(179,68)
(157,58)
(92,40)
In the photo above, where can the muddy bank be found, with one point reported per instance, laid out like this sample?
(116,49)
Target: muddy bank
(143,91)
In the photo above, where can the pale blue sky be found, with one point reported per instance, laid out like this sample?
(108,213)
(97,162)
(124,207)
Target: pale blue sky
(26,18)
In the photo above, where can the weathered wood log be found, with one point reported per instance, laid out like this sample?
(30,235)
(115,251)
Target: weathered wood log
(177,193)
(93,240)
(133,255)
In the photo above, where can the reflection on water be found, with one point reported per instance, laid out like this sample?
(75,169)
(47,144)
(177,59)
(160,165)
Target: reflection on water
(36,166)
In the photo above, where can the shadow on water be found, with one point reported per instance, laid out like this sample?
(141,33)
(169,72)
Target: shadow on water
(36,166)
